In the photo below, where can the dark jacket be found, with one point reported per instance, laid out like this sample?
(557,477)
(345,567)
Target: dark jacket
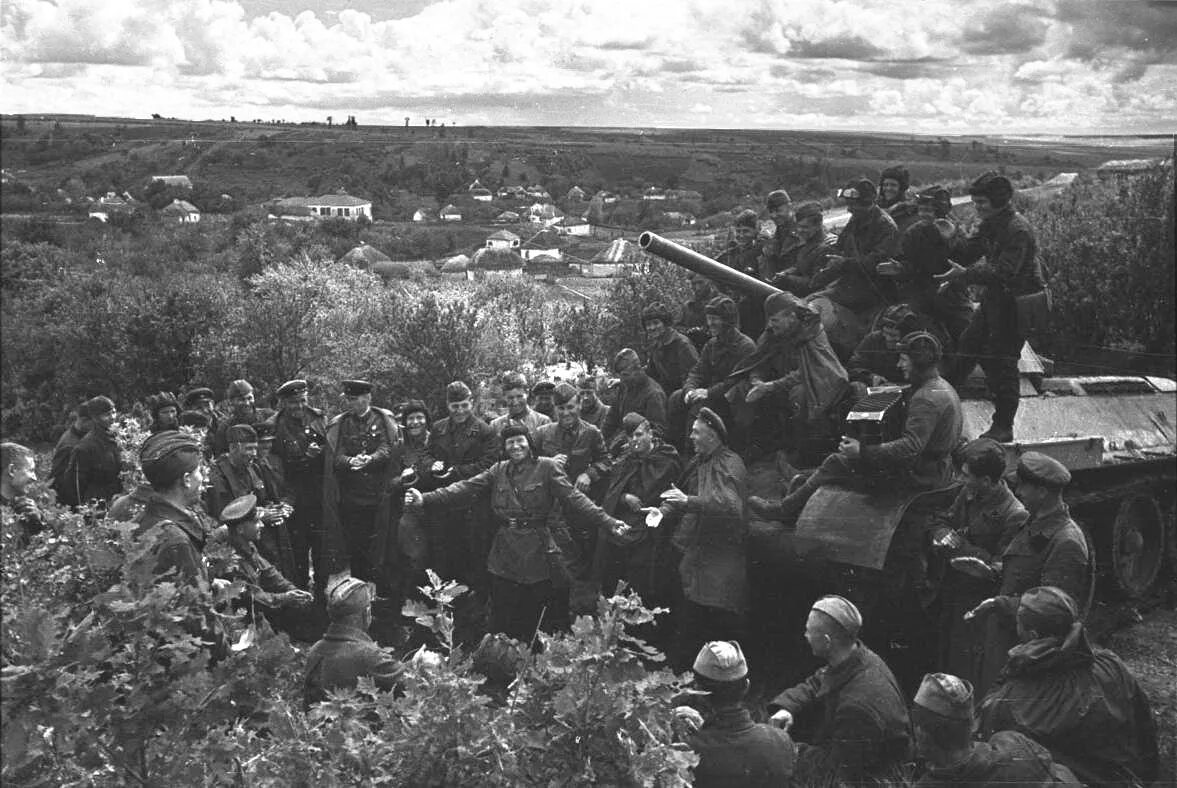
(750,307)
(669,362)
(63,452)
(719,357)
(924,253)
(735,752)
(597,415)
(180,538)
(522,498)
(645,397)
(583,445)
(867,240)
(713,533)
(873,357)
(922,457)
(341,658)
(93,473)
(219,433)
(228,482)
(793,263)
(863,722)
(1083,704)
(262,580)
(468,448)
(800,364)
(1007,760)
(292,438)
(1007,243)
(644,477)
(128,508)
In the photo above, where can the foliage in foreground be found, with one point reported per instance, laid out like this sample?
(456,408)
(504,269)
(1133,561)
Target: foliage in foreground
(107,680)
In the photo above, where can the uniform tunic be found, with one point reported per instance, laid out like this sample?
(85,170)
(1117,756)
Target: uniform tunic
(671,360)
(867,240)
(597,414)
(341,658)
(644,397)
(63,452)
(582,444)
(294,439)
(1007,760)
(459,538)
(736,752)
(531,419)
(921,457)
(795,263)
(94,471)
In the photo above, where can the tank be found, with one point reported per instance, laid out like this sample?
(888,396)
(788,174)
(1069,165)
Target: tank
(1116,434)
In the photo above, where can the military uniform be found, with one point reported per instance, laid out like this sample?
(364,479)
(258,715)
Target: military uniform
(746,260)
(862,729)
(343,656)
(229,481)
(793,263)
(94,472)
(295,439)
(734,751)
(180,538)
(924,254)
(262,579)
(597,414)
(867,240)
(670,361)
(719,356)
(1006,760)
(62,454)
(644,397)
(458,538)
(531,418)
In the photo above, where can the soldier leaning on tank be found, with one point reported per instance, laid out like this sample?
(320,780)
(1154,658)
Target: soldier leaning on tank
(859,732)
(1010,269)
(636,393)
(64,450)
(592,409)
(95,466)
(981,522)
(518,412)
(743,255)
(693,320)
(894,197)
(464,445)
(18,470)
(357,477)
(943,723)
(801,254)
(707,382)
(1081,702)
(1049,550)
(300,435)
(669,354)
(923,254)
(920,459)
(849,291)
(788,387)
(528,573)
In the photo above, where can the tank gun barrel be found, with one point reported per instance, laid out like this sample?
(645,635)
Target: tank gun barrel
(704,265)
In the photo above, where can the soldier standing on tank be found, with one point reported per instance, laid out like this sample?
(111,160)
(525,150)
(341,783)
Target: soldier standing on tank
(693,320)
(743,255)
(637,393)
(1010,269)
(1049,550)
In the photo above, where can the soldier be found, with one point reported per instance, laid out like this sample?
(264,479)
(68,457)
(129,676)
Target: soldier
(693,320)
(861,729)
(94,470)
(707,382)
(165,411)
(711,537)
(515,395)
(201,399)
(541,397)
(875,362)
(419,458)
(346,652)
(172,462)
(894,197)
(671,355)
(849,292)
(1080,702)
(784,393)
(18,470)
(357,474)
(264,584)
(1011,268)
(980,523)
(592,409)
(943,723)
(235,473)
(732,750)
(800,254)
(300,435)
(465,446)
(242,410)
(637,393)
(525,564)
(1050,549)
(918,460)
(743,255)
(63,452)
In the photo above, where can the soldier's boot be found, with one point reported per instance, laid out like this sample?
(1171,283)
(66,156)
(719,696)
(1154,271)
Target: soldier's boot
(1005,407)
(799,495)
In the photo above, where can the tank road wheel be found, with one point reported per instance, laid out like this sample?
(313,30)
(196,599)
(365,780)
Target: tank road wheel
(1138,545)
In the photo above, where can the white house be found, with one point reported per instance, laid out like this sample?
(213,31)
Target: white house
(537,192)
(544,213)
(450,213)
(481,195)
(181,211)
(576,194)
(608,198)
(653,193)
(619,256)
(506,217)
(512,193)
(503,239)
(573,225)
(531,254)
(179,181)
(340,205)
(110,203)
(419,215)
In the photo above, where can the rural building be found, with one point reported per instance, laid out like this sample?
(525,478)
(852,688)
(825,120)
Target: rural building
(111,203)
(653,193)
(456,265)
(512,193)
(340,205)
(678,219)
(538,192)
(181,211)
(178,181)
(419,215)
(607,198)
(364,256)
(573,225)
(576,194)
(544,213)
(684,195)
(1122,168)
(532,254)
(506,217)
(450,213)
(481,195)
(502,239)
(497,262)
(547,267)
(619,256)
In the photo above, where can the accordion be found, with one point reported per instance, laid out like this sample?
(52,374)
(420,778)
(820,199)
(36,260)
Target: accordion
(878,417)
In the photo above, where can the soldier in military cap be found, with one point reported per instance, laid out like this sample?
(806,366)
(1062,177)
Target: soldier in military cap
(518,412)
(242,410)
(637,393)
(592,409)
(173,464)
(94,470)
(63,452)
(265,584)
(346,653)
(732,749)
(670,355)
(743,254)
(862,728)
(201,399)
(359,470)
(943,722)
(541,398)
(693,317)
(1049,550)
(300,435)
(794,257)
(165,411)
(234,473)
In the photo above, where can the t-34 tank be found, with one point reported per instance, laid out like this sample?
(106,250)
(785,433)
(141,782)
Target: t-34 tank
(1116,434)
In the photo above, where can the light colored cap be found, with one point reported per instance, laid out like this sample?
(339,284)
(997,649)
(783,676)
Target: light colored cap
(842,610)
(946,695)
(721,660)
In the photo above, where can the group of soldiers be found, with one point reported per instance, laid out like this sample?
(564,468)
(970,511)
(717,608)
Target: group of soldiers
(563,496)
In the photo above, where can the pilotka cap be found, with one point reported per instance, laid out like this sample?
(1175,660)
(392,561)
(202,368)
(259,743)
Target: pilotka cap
(842,610)
(946,695)
(712,420)
(721,660)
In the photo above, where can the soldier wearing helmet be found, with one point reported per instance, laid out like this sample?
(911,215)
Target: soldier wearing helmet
(920,459)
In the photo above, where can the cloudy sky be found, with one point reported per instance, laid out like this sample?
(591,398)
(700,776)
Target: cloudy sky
(898,65)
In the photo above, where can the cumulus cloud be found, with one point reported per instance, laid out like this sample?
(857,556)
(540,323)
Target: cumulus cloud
(1005,29)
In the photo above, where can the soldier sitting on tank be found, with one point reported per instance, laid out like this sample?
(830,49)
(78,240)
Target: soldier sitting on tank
(875,362)
(707,381)
(923,254)
(743,255)
(669,354)
(798,256)
(693,320)
(894,197)
(785,388)
(920,459)
(849,292)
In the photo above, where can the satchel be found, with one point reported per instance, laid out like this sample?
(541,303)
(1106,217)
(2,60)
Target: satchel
(1034,311)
